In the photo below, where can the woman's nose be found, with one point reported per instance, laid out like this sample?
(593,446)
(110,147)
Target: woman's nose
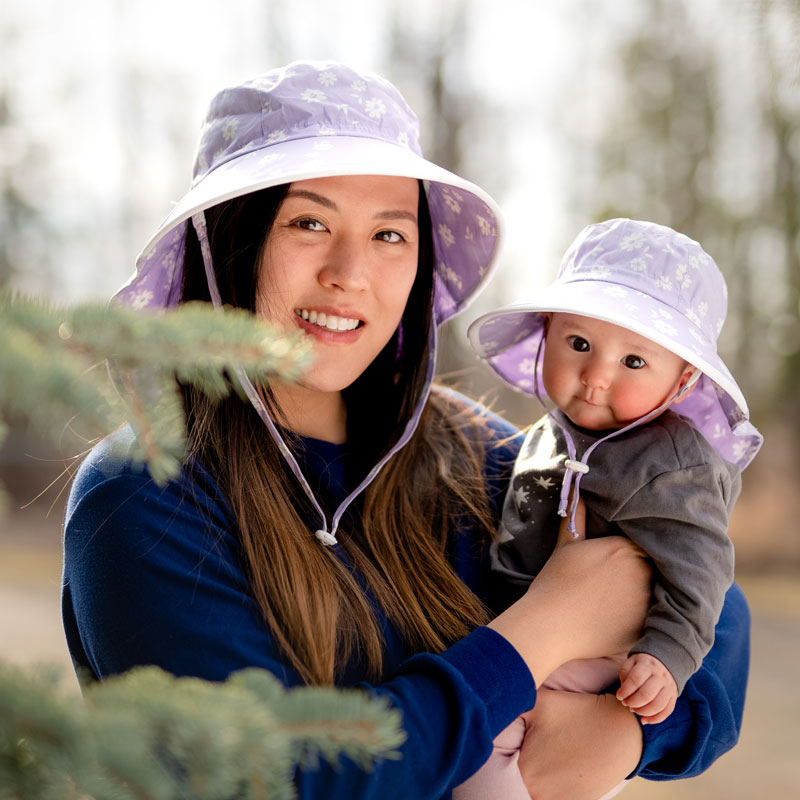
(346,267)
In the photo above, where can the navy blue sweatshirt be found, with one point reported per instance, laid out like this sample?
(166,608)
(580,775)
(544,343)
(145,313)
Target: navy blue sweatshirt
(155,575)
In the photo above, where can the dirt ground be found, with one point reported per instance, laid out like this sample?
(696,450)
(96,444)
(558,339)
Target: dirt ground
(764,764)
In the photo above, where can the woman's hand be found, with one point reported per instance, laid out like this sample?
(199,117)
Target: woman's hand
(560,756)
(589,600)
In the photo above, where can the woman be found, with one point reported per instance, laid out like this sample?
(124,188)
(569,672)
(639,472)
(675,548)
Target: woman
(336,531)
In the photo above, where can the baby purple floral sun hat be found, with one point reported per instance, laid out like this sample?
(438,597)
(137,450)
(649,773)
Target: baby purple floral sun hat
(653,281)
(314,119)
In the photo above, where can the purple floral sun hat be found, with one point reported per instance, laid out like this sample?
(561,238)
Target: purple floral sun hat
(314,119)
(653,281)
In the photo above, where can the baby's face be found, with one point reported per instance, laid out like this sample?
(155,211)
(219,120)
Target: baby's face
(603,376)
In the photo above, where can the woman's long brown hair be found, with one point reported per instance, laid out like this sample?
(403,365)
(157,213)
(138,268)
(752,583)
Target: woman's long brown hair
(320,608)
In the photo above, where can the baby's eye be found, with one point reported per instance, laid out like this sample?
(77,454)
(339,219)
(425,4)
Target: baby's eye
(310,224)
(634,362)
(392,237)
(579,343)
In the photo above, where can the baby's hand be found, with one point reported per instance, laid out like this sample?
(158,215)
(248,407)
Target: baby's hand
(648,688)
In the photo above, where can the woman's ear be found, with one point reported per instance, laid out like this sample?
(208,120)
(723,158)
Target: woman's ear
(689,379)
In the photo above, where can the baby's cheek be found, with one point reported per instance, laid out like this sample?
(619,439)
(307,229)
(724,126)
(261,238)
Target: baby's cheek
(632,402)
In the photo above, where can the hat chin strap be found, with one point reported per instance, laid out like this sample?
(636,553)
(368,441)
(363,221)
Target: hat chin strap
(324,536)
(575,468)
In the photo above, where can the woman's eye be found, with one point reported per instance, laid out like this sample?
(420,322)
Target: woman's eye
(393,237)
(578,343)
(633,362)
(310,224)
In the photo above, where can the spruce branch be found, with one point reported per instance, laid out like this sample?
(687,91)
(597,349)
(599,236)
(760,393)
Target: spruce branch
(96,366)
(147,735)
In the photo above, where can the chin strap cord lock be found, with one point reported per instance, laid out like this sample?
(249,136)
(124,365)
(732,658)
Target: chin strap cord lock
(328,539)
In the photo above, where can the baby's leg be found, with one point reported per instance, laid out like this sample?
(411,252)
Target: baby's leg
(589,676)
(499,778)
(586,675)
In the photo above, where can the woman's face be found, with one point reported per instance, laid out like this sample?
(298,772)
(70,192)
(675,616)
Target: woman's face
(339,263)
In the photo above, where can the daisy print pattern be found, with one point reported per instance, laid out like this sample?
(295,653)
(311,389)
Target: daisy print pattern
(141,299)
(485,226)
(452,203)
(327,78)
(229,129)
(682,277)
(451,276)
(312,95)
(633,241)
(277,136)
(446,234)
(375,107)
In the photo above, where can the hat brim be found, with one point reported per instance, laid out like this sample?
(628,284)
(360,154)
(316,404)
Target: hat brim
(466,232)
(500,335)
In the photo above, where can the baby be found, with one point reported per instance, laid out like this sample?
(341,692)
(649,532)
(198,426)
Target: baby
(627,331)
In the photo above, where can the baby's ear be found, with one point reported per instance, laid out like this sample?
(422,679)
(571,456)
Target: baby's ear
(689,379)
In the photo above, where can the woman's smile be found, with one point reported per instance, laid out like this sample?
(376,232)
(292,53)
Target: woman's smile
(320,321)
(329,320)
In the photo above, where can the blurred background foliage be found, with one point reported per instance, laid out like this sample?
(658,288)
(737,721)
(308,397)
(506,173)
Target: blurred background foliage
(685,112)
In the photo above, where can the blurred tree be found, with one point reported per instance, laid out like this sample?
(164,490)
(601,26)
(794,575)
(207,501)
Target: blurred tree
(778,37)
(421,59)
(429,57)
(23,225)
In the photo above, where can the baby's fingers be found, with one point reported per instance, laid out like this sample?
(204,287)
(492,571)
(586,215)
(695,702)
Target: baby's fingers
(658,710)
(633,676)
(644,699)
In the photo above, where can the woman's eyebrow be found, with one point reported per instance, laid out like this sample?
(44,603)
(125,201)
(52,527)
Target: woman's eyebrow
(327,203)
(314,197)
(397,215)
